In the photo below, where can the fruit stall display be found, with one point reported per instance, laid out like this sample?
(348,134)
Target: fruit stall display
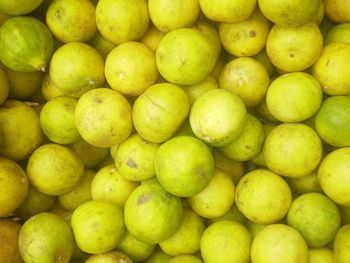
(180,131)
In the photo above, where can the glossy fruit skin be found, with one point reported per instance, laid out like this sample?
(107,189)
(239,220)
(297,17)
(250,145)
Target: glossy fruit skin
(26,44)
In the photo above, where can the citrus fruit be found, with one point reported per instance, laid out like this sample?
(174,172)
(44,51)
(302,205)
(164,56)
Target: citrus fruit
(226,241)
(14,188)
(184,166)
(289,13)
(158,256)
(305,184)
(332,121)
(137,250)
(169,15)
(338,34)
(185,259)
(54,169)
(103,117)
(80,194)
(102,45)
(263,197)
(160,111)
(194,91)
(152,214)
(227,11)
(131,68)
(121,21)
(294,97)
(249,144)
(247,78)
(217,197)
(76,68)
(9,231)
(334,60)
(46,237)
(97,226)
(218,117)
(315,217)
(20,130)
(185,56)
(90,155)
(246,38)
(23,84)
(233,168)
(292,150)
(337,10)
(26,44)
(286,47)
(187,237)
(34,203)
(333,176)
(110,185)
(71,20)
(341,244)
(152,37)
(57,120)
(4,86)
(109,257)
(48,89)
(321,255)
(279,243)
(134,158)
(19,7)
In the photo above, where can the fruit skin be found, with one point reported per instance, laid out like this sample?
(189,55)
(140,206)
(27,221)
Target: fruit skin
(46,237)
(333,176)
(334,61)
(217,197)
(160,111)
(34,203)
(103,117)
(294,97)
(246,38)
(54,169)
(14,188)
(212,119)
(185,56)
(332,121)
(249,144)
(186,239)
(20,130)
(289,13)
(19,7)
(321,255)
(109,257)
(110,185)
(286,47)
(228,11)
(316,218)
(134,158)
(9,231)
(4,86)
(185,259)
(337,10)
(26,44)
(292,150)
(71,20)
(227,241)
(263,197)
(131,68)
(278,243)
(121,21)
(247,78)
(169,15)
(184,166)
(152,214)
(76,68)
(97,226)
(338,33)
(341,245)
(57,120)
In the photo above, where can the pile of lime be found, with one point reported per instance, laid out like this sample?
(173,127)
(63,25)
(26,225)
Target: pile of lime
(180,131)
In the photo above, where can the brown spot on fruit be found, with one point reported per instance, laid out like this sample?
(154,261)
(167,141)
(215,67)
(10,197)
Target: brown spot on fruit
(143,199)
(131,163)
(252,33)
